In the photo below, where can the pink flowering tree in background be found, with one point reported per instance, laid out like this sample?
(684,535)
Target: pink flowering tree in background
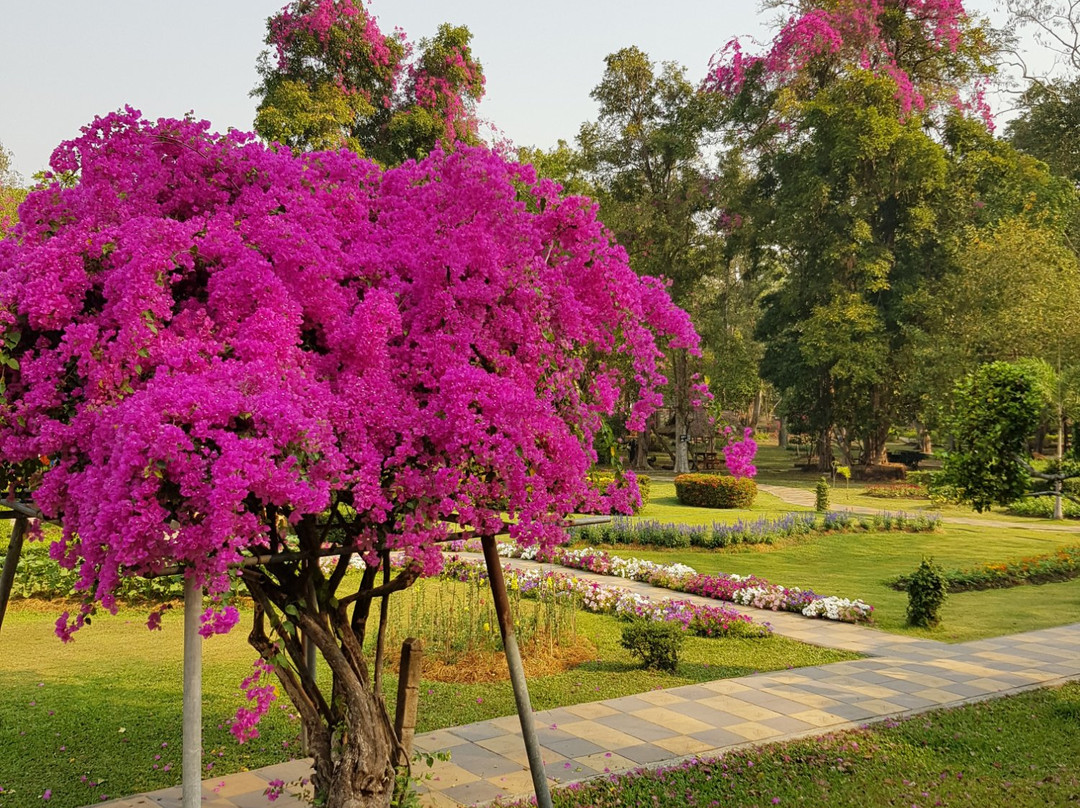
(739,454)
(932,52)
(850,128)
(217,351)
(333,79)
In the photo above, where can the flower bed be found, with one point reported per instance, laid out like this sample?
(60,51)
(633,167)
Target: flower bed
(1061,565)
(745,590)
(651,533)
(704,621)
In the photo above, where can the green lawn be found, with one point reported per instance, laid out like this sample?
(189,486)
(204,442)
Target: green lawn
(1019,752)
(107,707)
(855,565)
(664,507)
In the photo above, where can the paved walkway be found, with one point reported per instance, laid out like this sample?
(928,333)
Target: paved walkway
(900,675)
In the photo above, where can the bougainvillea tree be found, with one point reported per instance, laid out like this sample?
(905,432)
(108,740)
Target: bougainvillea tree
(217,351)
(844,120)
(333,79)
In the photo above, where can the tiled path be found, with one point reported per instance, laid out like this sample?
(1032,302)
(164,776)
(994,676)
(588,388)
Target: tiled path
(900,675)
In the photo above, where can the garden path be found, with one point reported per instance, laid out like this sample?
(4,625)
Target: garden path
(800,496)
(899,676)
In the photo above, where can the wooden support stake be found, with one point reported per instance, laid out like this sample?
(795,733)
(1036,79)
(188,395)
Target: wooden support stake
(517,671)
(408,695)
(11,561)
(191,780)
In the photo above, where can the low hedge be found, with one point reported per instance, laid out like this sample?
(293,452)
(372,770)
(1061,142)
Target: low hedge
(1061,565)
(1043,508)
(602,480)
(896,491)
(714,491)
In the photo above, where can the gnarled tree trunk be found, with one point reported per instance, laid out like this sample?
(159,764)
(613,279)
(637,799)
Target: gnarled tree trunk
(680,361)
(350,733)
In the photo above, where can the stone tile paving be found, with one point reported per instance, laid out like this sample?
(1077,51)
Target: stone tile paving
(900,676)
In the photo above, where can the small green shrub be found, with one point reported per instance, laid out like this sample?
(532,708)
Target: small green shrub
(1043,507)
(602,480)
(656,644)
(922,478)
(927,590)
(714,491)
(821,496)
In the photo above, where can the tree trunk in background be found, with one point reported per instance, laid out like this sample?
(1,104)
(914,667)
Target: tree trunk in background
(874,453)
(640,460)
(755,413)
(843,439)
(1058,505)
(925,444)
(825,457)
(680,362)
(783,437)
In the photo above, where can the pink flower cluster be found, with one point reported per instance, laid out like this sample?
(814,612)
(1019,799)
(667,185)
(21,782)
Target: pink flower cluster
(262,694)
(207,331)
(739,454)
(893,38)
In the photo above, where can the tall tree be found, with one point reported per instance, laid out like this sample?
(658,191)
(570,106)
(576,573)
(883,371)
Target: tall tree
(334,80)
(645,156)
(245,361)
(1006,221)
(11,192)
(1048,126)
(835,118)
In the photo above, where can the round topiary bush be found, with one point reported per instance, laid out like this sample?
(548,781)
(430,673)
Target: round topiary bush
(714,491)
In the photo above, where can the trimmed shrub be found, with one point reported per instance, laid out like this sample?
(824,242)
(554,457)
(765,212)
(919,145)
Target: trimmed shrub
(601,480)
(880,473)
(656,644)
(821,496)
(896,491)
(927,590)
(714,491)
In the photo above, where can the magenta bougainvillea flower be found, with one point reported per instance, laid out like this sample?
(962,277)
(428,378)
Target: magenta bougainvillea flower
(203,336)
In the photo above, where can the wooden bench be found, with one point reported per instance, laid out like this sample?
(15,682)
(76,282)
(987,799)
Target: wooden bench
(707,460)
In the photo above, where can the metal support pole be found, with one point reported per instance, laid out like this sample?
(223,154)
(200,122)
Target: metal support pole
(192,762)
(11,561)
(310,661)
(517,671)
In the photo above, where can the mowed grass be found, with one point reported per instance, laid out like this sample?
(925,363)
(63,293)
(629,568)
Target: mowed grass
(106,708)
(856,565)
(1020,751)
(664,506)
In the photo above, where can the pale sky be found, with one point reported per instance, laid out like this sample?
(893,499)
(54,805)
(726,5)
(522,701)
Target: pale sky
(65,61)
